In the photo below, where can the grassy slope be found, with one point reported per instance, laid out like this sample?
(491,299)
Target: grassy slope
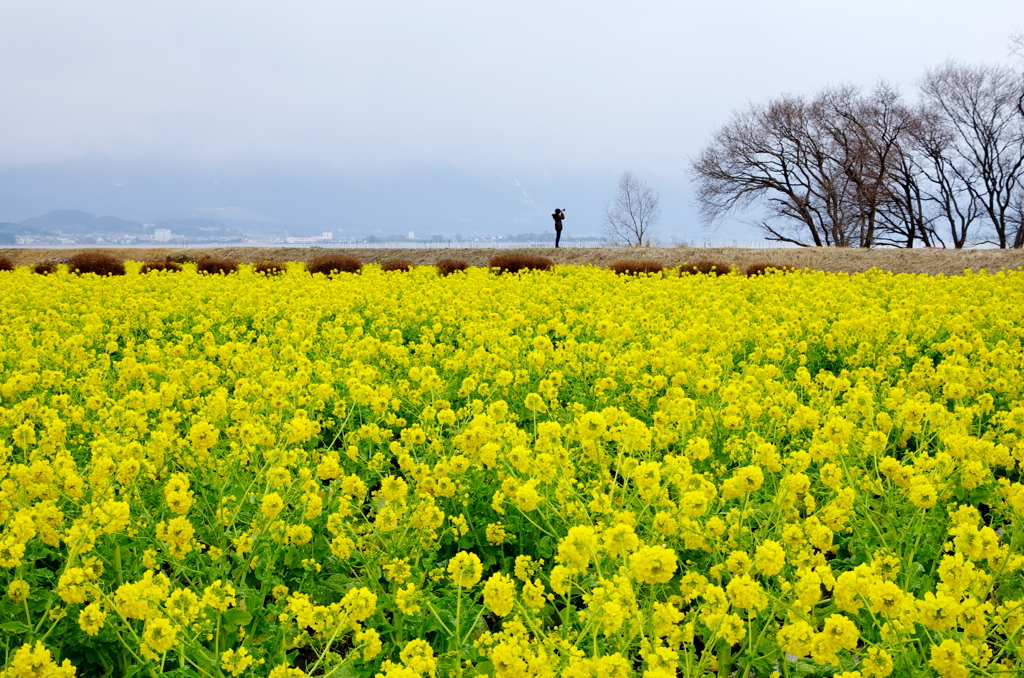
(949,262)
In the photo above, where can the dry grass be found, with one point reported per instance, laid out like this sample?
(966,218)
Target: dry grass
(329,264)
(216,266)
(270,268)
(636,267)
(160,266)
(847,260)
(6,264)
(449,266)
(515,262)
(704,267)
(403,265)
(45,267)
(99,263)
(763,268)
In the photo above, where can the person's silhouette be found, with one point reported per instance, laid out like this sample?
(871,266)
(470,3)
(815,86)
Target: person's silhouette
(558,216)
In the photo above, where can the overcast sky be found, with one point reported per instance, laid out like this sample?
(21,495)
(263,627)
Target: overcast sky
(553,88)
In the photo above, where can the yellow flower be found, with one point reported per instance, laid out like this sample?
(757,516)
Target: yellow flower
(397,570)
(576,549)
(271,505)
(499,594)
(495,533)
(236,662)
(18,590)
(731,629)
(948,660)
(393,489)
(922,494)
(177,534)
(405,599)
(91,618)
(839,633)
(938,612)
(878,663)
(886,598)
(158,637)
(465,569)
(533,594)
(796,638)
(747,594)
(176,492)
(369,641)
(182,606)
(770,558)
(32,661)
(419,656)
(219,595)
(359,603)
(653,564)
(620,540)
(534,403)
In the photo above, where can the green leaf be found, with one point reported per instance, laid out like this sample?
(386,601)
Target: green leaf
(183,672)
(339,583)
(14,627)
(292,558)
(235,618)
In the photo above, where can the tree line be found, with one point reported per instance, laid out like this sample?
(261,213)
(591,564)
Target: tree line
(849,168)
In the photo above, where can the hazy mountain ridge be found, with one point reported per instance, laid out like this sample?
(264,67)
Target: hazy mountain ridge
(251,198)
(77,221)
(78,225)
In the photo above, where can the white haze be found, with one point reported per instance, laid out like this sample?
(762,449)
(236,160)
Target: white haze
(556,91)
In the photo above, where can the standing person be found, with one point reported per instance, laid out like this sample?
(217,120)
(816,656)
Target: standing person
(558,216)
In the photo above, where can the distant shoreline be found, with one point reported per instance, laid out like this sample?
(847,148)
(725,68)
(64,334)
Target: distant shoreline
(848,260)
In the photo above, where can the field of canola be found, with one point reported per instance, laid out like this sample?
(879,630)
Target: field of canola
(555,474)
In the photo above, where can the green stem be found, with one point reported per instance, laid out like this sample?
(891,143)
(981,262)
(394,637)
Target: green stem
(117,565)
(458,621)
(724,659)
(438,617)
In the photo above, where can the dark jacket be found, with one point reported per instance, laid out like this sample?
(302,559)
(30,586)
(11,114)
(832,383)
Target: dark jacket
(558,216)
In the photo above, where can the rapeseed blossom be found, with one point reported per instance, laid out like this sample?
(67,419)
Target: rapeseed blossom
(558,474)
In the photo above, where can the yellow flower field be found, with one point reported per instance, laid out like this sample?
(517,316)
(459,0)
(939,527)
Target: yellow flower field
(554,474)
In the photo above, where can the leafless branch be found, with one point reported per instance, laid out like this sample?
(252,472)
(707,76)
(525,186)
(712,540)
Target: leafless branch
(634,212)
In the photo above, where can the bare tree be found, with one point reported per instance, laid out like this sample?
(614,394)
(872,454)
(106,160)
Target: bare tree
(907,216)
(1017,50)
(781,156)
(630,218)
(945,179)
(980,106)
(847,169)
(870,137)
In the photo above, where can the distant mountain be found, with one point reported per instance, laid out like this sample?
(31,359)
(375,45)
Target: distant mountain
(270,198)
(305,200)
(197,228)
(7,233)
(78,222)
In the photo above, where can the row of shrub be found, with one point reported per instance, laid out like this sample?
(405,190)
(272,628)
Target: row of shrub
(716,268)
(107,265)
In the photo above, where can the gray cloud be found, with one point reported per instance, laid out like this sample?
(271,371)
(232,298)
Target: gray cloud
(574,84)
(480,86)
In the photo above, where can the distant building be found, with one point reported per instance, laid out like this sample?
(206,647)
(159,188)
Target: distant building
(328,235)
(412,235)
(162,235)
